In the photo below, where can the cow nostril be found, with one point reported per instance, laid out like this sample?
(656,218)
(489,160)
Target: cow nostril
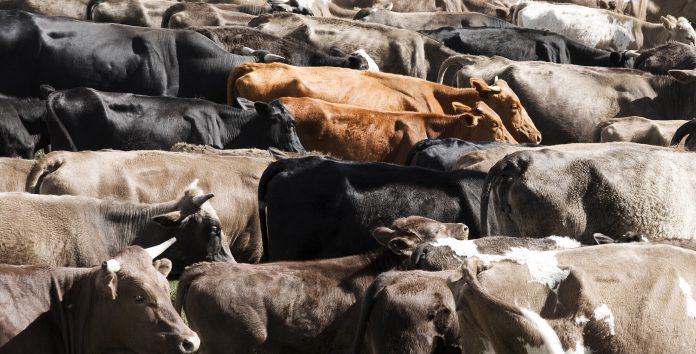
(190,345)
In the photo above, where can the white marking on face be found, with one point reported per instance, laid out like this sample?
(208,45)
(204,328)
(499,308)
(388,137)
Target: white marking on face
(565,242)
(371,65)
(603,313)
(113,265)
(688,296)
(552,344)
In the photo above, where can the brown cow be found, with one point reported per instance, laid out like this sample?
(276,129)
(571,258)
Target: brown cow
(356,133)
(14,173)
(121,307)
(381,91)
(287,307)
(617,298)
(81,231)
(137,176)
(408,312)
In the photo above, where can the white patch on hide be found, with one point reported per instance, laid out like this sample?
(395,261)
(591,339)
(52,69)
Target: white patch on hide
(371,65)
(603,313)
(113,265)
(565,242)
(552,344)
(581,320)
(688,296)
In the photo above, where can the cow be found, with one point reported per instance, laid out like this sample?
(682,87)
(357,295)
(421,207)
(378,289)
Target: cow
(59,310)
(419,21)
(527,44)
(564,117)
(394,50)
(110,57)
(482,160)
(67,8)
(144,13)
(355,133)
(318,207)
(14,174)
(86,119)
(81,231)
(600,28)
(637,130)
(444,154)
(686,130)
(381,91)
(408,312)
(592,299)
(136,177)
(293,306)
(610,188)
(653,10)
(23,130)
(240,40)
(184,15)
(487,7)
(660,60)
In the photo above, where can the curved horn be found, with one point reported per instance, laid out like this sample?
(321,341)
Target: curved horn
(200,199)
(247,51)
(272,58)
(494,89)
(155,251)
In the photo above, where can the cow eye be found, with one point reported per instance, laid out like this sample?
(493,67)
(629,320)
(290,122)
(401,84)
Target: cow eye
(514,106)
(139,299)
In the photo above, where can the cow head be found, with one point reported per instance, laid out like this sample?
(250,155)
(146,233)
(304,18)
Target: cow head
(127,12)
(680,29)
(276,124)
(480,123)
(133,296)
(505,102)
(196,226)
(407,233)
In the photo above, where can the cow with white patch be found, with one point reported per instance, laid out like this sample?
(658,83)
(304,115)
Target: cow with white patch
(600,28)
(617,298)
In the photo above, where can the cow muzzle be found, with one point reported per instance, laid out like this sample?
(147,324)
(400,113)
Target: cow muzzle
(190,344)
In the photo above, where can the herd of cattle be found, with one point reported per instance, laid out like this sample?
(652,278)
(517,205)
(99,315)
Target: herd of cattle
(334,176)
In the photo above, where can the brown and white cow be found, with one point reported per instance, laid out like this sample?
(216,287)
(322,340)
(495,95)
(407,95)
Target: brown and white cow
(379,91)
(305,306)
(356,133)
(601,299)
(122,306)
(81,231)
(158,176)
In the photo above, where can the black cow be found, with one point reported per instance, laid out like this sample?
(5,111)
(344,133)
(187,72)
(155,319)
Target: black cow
(234,39)
(669,56)
(67,53)
(86,119)
(318,207)
(526,44)
(443,154)
(22,127)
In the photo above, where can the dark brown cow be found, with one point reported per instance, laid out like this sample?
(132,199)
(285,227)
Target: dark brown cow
(356,133)
(121,307)
(408,312)
(137,176)
(381,91)
(294,306)
(82,231)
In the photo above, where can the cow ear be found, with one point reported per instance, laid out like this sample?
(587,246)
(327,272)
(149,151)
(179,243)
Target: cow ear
(469,119)
(602,239)
(402,246)
(264,109)
(164,266)
(45,90)
(107,281)
(460,108)
(244,103)
(667,23)
(683,76)
(480,85)
(171,219)
(383,234)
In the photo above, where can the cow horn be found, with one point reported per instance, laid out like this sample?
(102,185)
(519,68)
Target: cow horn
(272,58)
(155,251)
(200,199)
(247,51)
(632,53)
(494,88)
(496,79)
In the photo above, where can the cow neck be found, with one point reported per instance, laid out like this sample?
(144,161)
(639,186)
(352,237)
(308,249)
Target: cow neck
(447,95)
(674,98)
(437,125)
(233,122)
(79,320)
(358,272)
(131,224)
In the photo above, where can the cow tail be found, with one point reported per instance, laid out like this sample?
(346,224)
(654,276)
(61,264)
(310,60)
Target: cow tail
(451,61)
(687,128)
(59,136)
(270,172)
(542,328)
(90,8)
(42,168)
(597,132)
(366,305)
